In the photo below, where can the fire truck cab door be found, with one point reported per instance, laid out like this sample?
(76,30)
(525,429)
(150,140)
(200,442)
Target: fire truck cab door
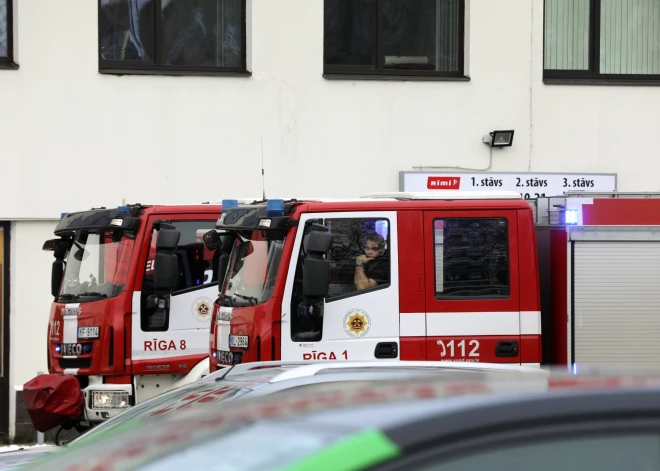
(472,286)
(359,319)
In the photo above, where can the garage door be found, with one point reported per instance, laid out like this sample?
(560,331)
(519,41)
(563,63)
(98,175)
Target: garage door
(616,310)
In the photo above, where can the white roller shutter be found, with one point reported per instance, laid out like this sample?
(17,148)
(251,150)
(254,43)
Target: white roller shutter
(616,310)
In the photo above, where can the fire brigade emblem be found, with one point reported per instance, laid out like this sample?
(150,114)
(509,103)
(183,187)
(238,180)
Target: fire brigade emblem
(357,323)
(202,309)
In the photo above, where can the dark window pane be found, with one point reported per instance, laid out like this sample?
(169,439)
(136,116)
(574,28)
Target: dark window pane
(471,257)
(349,29)
(422,35)
(358,241)
(202,32)
(126,30)
(3,29)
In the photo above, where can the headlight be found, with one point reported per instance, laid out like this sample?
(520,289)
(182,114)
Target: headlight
(109,399)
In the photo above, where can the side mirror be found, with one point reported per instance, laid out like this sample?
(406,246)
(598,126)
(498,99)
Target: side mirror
(166,264)
(316,279)
(212,240)
(56,276)
(319,240)
(166,272)
(316,268)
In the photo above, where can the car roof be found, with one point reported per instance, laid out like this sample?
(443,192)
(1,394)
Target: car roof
(399,408)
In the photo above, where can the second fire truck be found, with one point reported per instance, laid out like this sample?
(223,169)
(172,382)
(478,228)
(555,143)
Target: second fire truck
(445,275)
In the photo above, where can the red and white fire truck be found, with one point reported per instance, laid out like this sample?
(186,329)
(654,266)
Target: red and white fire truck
(134,289)
(447,275)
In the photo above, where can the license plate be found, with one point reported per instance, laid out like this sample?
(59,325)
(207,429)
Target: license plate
(88,332)
(238,341)
(225,358)
(71,349)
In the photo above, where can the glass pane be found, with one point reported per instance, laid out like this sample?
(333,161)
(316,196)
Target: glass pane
(126,30)
(348,32)
(607,453)
(3,28)
(630,37)
(202,32)
(422,34)
(567,34)
(471,257)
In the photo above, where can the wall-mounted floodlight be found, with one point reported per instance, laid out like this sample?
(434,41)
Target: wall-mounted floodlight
(499,138)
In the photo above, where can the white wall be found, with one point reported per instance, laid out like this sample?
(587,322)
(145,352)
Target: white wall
(30,302)
(173,139)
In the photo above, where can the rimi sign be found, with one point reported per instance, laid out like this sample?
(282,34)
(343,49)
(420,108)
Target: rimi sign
(530,185)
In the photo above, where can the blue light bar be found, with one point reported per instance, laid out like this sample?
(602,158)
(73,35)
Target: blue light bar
(123,210)
(228,204)
(63,215)
(275,207)
(571,216)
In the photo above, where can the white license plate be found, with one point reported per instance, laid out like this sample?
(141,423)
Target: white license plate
(238,341)
(88,332)
(71,349)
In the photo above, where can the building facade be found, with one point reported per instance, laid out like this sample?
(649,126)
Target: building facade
(172,101)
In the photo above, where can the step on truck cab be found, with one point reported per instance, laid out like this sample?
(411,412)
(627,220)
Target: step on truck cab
(400,276)
(133,291)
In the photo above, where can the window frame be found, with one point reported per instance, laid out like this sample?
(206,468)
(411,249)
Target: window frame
(591,76)
(331,298)
(8,61)
(154,67)
(375,71)
(444,297)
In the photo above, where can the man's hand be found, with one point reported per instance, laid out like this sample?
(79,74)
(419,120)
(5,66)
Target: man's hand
(361,258)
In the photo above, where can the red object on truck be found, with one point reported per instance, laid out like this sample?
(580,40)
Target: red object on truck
(53,399)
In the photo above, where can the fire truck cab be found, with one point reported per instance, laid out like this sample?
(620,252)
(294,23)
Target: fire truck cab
(134,289)
(447,275)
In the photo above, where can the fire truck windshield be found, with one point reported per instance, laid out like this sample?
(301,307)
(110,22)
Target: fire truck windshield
(97,266)
(252,270)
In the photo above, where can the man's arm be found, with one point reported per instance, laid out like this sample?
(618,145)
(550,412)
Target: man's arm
(361,280)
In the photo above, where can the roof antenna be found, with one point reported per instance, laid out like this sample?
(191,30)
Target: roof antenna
(123,201)
(263,176)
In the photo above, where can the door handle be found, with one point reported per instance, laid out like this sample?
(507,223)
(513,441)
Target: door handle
(506,348)
(387,350)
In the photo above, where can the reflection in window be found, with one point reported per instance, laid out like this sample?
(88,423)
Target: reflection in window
(605,453)
(359,256)
(471,257)
(4,29)
(126,30)
(202,32)
(417,35)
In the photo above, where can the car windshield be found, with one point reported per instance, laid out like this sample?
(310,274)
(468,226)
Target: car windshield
(97,266)
(253,265)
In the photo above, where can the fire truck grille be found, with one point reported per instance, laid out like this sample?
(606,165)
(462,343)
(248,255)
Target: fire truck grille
(75,362)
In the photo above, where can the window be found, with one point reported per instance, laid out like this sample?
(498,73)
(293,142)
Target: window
(197,265)
(471,258)
(394,37)
(172,36)
(359,256)
(6,34)
(198,268)
(638,452)
(602,39)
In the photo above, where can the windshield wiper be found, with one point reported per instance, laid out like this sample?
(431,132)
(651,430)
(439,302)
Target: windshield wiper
(248,298)
(223,297)
(67,296)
